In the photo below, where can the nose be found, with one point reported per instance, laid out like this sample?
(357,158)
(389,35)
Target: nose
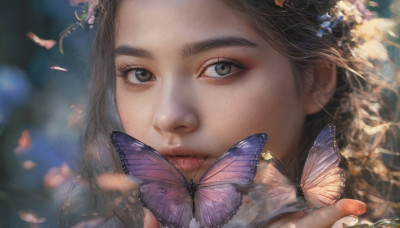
(176,112)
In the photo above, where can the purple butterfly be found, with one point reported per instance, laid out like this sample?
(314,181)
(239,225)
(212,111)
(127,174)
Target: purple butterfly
(321,184)
(213,200)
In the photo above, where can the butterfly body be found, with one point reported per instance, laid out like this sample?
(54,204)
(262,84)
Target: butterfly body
(299,191)
(192,188)
(174,200)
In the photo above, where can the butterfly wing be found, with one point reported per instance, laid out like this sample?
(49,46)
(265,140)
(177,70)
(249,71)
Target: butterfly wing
(171,204)
(274,194)
(217,198)
(322,181)
(163,187)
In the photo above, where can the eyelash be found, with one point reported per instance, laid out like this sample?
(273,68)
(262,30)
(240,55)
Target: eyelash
(124,70)
(221,61)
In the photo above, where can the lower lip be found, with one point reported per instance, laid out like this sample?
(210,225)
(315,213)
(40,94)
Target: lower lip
(188,164)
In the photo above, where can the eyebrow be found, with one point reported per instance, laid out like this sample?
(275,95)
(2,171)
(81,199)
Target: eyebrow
(189,49)
(132,51)
(202,46)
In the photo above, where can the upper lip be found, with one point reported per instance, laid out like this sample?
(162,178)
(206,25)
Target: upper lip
(180,151)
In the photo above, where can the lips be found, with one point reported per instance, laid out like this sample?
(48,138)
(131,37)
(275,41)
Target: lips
(187,163)
(183,158)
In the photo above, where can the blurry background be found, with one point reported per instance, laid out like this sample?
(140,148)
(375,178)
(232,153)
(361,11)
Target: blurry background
(41,108)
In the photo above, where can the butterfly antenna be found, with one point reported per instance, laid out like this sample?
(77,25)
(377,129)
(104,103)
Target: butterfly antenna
(200,167)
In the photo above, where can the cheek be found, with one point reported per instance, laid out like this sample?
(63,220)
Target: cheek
(133,111)
(281,118)
(263,105)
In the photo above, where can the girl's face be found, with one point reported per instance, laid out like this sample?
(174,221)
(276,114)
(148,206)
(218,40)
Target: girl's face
(193,79)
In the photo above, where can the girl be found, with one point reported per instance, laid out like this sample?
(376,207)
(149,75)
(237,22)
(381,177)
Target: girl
(192,77)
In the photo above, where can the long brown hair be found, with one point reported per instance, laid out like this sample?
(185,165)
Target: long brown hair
(365,120)
(364,106)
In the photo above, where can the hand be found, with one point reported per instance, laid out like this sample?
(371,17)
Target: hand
(149,220)
(323,217)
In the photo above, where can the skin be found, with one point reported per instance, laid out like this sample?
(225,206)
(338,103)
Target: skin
(180,106)
(185,101)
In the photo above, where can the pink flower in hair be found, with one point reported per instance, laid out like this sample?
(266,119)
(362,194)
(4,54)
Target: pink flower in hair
(91,14)
(359,4)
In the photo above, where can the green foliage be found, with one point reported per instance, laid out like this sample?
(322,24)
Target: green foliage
(384,223)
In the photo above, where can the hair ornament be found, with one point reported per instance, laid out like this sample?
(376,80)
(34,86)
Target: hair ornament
(327,24)
(90,16)
(86,16)
(279,3)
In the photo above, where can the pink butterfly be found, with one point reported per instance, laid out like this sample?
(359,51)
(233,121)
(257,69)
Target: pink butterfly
(321,183)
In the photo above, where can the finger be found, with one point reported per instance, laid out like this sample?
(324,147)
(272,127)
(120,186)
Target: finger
(286,221)
(327,216)
(149,220)
(351,207)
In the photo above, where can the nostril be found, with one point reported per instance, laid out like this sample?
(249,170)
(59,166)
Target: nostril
(180,127)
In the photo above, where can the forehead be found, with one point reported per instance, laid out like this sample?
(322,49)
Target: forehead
(180,20)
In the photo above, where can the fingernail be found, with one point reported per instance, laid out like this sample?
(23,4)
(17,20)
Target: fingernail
(362,208)
(353,207)
(359,208)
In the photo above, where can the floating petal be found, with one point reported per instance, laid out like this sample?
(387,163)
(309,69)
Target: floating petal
(58,68)
(48,44)
(24,142)
(31,217)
